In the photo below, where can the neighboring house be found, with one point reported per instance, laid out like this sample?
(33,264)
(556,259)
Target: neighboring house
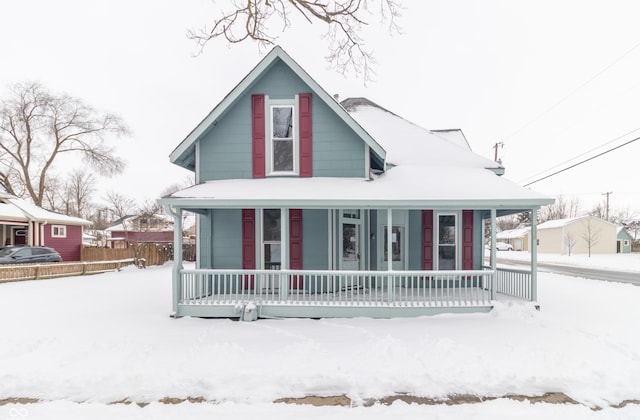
(141,228)
(624,240)
(576,235)
(22,223)
(518,238)
(295,193)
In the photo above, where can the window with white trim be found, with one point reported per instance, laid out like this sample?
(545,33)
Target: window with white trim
(58,231)
(282,138)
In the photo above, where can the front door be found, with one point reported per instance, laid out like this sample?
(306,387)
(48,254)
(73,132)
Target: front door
(399,240)
(19,236)
(351,235)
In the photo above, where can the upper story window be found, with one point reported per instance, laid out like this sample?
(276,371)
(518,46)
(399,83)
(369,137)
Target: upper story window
(282,142)
(58,231)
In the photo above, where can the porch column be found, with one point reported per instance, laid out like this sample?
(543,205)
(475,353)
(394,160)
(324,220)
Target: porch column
(177,254)
(534,255)
(284,252)
(390,277)
(493,254)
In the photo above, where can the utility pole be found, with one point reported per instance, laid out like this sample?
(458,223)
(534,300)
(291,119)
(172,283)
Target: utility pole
(606,214)
(495,148)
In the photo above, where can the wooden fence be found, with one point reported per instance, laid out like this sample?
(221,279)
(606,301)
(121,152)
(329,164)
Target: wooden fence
(145,253)
(19,272)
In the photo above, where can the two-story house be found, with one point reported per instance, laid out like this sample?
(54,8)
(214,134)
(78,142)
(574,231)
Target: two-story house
(309,207)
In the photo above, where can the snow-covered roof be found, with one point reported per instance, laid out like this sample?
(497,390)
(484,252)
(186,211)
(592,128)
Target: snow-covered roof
(13,208)
(453,135)
(403,186)
(128,223)
(408,143)
(513,233)
(552,224)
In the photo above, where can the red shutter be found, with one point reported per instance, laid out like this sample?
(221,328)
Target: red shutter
(305,133)
(467,239)
(295,245)
(258,136)
(427,239)
(248,244)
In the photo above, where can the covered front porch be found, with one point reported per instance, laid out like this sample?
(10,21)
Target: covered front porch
(252,294)
(458,280)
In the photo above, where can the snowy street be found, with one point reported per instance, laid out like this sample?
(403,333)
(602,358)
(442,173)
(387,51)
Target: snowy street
(80,344)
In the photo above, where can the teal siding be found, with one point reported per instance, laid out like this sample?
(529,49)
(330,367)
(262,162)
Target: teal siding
(226,244)
(204,240)
(315,246)
(478,241)
(225,148)
(415,240)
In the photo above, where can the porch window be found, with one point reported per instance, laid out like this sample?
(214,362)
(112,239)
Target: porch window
(271,239)
(447,242)
(58,231)
(282,139)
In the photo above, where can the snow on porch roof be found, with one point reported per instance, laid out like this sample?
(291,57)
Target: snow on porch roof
(406,186)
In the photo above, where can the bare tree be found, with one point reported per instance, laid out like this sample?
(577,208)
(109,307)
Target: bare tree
(38,127)
(120,208)
(570,241)
(507,222)
(598,211)
(562,208)
(249,19)
(591,234)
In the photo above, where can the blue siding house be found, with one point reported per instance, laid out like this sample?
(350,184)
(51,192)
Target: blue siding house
(310,207)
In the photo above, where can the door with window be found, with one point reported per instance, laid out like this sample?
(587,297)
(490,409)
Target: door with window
(351,234)
(447,242)
(399,240)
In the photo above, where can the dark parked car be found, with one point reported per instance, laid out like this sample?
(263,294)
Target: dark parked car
(28,254)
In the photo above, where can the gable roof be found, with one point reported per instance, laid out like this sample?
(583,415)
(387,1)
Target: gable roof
(183,154)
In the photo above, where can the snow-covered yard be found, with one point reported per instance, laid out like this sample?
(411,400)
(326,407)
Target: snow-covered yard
(622,262)
(80,343)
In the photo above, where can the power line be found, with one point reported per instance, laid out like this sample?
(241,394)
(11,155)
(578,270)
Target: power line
(555,105)
(580,155)
(581,162)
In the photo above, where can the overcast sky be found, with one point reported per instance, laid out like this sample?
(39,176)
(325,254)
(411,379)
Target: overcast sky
(549,79)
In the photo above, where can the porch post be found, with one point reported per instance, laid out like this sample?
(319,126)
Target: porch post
(390,277)
(177,254)
(284,252)
(493,254)
(534,255)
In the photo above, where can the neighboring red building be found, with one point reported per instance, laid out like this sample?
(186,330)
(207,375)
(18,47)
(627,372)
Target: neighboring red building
(141,228)
(23,223)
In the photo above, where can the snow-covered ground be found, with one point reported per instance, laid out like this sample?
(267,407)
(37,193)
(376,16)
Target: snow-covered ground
(622,262)
(80,343)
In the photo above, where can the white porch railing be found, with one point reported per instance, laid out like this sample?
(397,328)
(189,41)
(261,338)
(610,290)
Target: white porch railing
(336,288)
(514,282)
